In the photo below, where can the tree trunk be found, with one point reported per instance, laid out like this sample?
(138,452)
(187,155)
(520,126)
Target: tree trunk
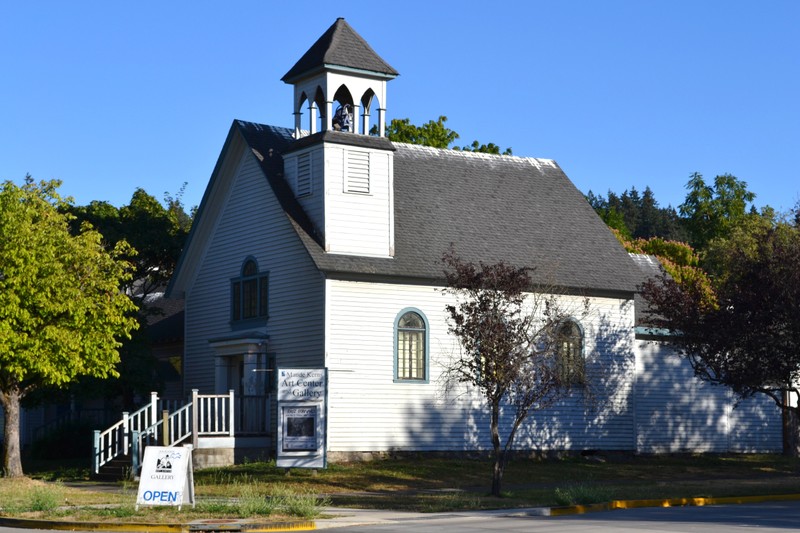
(12,459)
(791,431)
(499,453)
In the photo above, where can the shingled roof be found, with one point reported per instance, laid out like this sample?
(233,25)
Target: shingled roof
(523,211)
(340,46)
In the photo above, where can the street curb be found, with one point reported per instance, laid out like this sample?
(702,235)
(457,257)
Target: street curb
(191,527)
(669,502)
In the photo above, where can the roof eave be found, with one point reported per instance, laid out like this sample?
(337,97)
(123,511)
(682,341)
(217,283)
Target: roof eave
(332,67)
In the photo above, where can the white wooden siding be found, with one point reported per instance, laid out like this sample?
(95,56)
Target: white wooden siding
(313,202)
(369,411)
(357,222)
(353,211)
(677,412)
(251,223)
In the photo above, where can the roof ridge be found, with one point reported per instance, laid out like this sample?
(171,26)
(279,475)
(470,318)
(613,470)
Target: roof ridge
(536,161)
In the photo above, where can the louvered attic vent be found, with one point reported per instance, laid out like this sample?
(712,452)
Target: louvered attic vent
(303,175)
(357,177)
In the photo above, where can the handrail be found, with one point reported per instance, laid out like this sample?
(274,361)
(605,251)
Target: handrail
(180,424)
(115,441)
(204,415)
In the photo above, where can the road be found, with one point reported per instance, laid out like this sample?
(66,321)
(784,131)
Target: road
(775,517)
(766,518)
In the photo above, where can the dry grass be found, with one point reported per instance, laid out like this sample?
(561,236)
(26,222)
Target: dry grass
(427,484)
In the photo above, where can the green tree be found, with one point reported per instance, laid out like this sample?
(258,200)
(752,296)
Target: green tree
(679,260)
(509,337)
(609,214)
(62,314)
(750,339)
(157,232)
(711,211)
(490,148)
(637,216)
(433,133)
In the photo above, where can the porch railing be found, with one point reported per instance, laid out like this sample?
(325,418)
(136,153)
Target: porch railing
(160,423)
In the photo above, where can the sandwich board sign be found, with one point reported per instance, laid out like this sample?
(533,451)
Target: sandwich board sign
(167,477)
(301,417)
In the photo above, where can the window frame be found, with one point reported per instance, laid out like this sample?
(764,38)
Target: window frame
(575,376)
(239,298)
(426,346)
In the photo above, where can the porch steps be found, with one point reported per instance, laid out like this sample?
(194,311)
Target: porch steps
(118,469)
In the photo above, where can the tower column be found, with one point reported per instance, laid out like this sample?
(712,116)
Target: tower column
(381,122)
(355,121)
(297,124)
(327,124)
(365,122)
(312,117)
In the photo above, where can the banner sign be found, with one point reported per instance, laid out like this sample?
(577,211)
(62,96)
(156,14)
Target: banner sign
(301,417)
(167,477)
(301,384)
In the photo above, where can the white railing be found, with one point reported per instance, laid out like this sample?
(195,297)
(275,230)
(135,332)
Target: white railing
(204,415)
(212,414)
(116,441)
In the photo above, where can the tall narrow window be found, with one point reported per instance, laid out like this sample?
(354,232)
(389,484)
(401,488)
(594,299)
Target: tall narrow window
(571,365)
(411,345)
(249,293)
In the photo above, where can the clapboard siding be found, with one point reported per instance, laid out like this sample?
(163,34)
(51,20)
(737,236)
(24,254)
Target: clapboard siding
(313,203)
(369,411)
(358,223)
(253,224)
(677,412)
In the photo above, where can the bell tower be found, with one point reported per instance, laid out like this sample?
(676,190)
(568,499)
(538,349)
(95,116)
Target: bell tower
(342,176)
(342,83)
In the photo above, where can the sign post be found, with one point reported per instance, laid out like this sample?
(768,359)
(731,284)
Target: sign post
(302,424)
(167,477)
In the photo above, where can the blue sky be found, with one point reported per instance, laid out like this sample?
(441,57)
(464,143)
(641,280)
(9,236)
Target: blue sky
(111,96)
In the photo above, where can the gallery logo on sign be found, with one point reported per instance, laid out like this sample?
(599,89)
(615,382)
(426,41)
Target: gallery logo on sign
(164,465)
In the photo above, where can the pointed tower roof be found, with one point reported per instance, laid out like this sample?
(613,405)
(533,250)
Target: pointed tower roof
(340,46)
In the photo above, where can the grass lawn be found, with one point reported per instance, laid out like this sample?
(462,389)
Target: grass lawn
(411,483)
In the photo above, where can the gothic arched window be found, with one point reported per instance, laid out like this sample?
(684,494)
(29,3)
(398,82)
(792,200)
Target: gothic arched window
(249,293)
(569,349)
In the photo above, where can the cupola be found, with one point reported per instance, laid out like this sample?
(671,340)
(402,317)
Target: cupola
(341,83)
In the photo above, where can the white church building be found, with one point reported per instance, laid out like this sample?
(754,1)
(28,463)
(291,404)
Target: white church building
(319,245)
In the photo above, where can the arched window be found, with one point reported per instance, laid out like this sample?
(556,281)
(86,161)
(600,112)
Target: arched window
(569,348)
(411,347)
(249,293)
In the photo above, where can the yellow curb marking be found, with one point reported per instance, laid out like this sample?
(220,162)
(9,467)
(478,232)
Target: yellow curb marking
(670,502)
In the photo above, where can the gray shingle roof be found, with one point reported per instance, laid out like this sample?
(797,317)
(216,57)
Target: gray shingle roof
(340,46)
(523,211)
